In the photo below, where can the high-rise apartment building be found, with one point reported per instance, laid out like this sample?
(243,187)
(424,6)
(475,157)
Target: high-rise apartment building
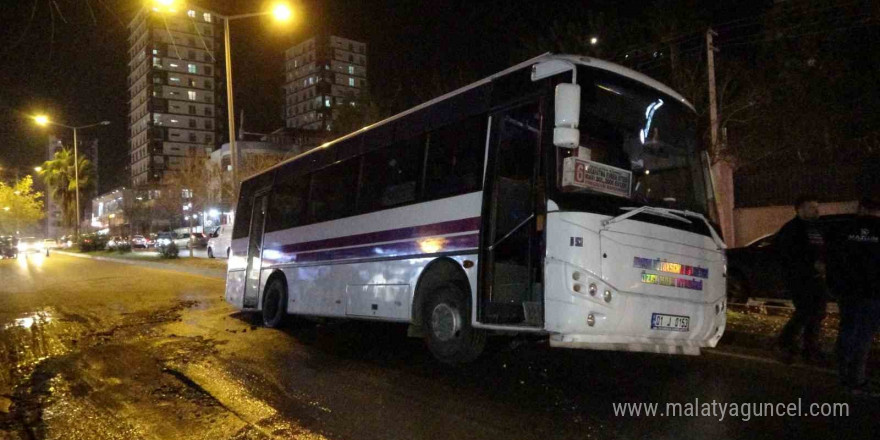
(322,74)
(176,91)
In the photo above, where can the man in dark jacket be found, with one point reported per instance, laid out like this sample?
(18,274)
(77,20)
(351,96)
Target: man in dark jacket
(801,250)
(853,266)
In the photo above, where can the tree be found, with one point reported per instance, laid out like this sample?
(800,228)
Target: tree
(358,112)
(221,192)
(60,177)
(20,206)
(186,185)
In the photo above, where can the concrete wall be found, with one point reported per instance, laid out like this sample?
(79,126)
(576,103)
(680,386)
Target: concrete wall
(752,223)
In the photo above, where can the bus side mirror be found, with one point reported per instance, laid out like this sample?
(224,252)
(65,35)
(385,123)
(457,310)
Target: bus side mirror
(568,112)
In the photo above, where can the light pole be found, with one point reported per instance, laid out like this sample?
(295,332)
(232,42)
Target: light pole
(44,121)
(280,11)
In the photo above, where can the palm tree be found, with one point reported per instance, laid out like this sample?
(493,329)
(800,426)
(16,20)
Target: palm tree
(58,174)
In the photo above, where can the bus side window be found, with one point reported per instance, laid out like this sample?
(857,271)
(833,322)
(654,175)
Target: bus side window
(391,175)
(288,205)
(333,191)
(455,158)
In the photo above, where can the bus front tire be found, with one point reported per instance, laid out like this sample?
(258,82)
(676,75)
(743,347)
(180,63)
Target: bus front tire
(274,304)
(447,322)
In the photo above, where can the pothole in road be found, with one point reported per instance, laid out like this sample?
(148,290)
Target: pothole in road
(56,366)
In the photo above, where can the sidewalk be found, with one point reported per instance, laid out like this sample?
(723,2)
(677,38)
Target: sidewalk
(172,265)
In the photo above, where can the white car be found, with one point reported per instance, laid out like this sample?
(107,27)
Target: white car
(30,244)
(220,241)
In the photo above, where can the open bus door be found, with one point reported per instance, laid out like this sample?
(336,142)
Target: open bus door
(255,250)
(511,291)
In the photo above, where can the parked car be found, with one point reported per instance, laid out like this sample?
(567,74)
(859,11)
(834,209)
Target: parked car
(8,247)
(755,271)
(219,244)
(29,244)
(139,241)
(198,240)
(165,238)
(115,242)
(66,241)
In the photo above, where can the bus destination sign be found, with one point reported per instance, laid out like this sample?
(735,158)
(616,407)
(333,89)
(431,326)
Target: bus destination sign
(596,176)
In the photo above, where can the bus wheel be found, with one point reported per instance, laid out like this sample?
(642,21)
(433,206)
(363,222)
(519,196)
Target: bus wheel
(274,303)
(447,321)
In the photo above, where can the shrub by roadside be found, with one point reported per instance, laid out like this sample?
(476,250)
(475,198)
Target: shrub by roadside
(169,251)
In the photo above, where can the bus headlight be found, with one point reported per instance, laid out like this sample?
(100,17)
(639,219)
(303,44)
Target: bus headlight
(593,289)
(607,296)
(591,320)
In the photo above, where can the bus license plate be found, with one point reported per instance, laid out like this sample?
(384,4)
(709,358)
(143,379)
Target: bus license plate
(673,323)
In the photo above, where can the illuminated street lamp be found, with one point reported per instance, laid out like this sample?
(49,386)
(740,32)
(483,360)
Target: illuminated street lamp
(44,121)
(38,169)
(281,12)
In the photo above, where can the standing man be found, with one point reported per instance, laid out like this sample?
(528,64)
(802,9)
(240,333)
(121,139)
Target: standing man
(854,261)
(801,245)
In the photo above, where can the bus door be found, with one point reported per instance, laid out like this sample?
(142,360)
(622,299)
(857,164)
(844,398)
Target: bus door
(255,250)
(511,289)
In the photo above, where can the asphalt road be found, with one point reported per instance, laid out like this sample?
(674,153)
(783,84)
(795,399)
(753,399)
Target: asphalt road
(99,350)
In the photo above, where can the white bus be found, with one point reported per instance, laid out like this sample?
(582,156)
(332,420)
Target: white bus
(563,197)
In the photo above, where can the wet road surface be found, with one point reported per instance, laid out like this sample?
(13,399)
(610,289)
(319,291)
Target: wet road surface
(95,350)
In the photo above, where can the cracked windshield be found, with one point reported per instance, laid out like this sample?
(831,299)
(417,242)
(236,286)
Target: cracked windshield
(635,144)
(377,219)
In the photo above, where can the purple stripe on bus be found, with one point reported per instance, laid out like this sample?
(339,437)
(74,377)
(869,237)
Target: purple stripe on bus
(399,249)
(443,228)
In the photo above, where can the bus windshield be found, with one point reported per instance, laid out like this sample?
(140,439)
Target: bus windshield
(637,147)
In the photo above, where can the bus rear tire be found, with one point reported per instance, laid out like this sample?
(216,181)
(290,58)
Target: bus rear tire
(274,304)
(446,318)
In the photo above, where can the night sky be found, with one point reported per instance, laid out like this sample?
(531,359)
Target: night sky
(70,59)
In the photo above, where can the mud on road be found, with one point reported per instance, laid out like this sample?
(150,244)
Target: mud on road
(71,376)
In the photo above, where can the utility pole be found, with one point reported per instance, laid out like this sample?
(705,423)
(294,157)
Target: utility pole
(713,118)
(713,104)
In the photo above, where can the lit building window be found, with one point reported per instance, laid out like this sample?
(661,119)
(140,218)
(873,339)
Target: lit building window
(351,82)
(207,17)
(351,70)
(191,13)
(327,102)
(192,68)
(192,95)
(174,79)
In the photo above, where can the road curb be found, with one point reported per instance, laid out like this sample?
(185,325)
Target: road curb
(208,273)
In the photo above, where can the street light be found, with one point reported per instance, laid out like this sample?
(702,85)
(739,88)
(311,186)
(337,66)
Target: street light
(281,12)
(44,121)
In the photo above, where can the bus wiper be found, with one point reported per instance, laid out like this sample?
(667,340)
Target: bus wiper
(668,213)
(632,211)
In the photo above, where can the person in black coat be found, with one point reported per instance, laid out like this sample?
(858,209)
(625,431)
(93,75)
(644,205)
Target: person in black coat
(800,244)
(854,277)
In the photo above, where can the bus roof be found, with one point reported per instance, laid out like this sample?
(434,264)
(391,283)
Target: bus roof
(575,59)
